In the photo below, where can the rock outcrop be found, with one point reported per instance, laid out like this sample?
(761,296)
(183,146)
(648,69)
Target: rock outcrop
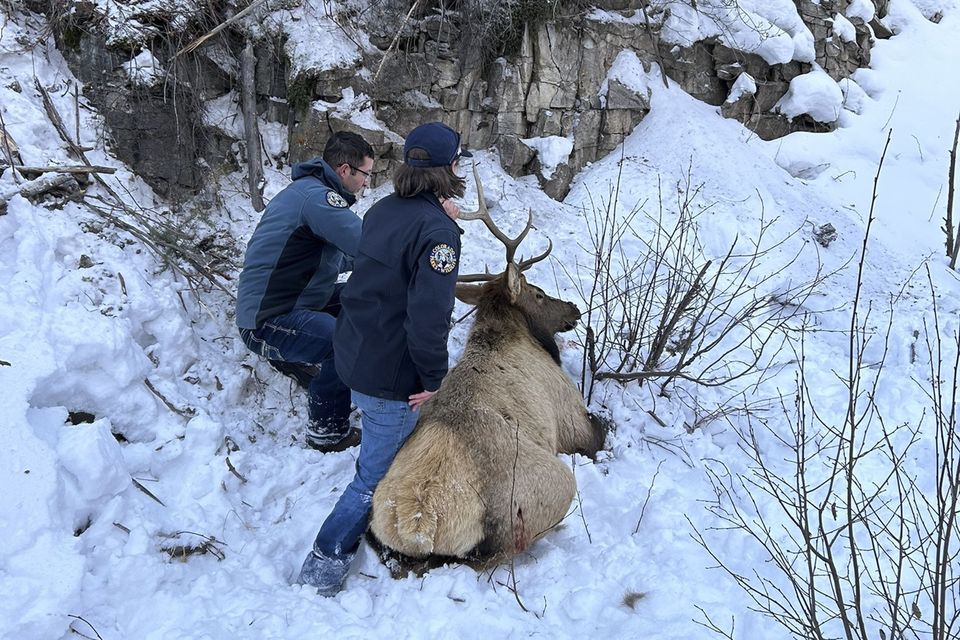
(583,75)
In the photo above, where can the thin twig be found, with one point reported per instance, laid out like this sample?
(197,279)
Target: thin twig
(643,509)
(86,622)
(656,44)
(951,178)
(234,471)
(396,37)
(186,413)
(7,150)
(140,486)
(513,518)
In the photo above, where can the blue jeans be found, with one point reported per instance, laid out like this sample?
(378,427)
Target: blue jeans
(300,344)
(386,425)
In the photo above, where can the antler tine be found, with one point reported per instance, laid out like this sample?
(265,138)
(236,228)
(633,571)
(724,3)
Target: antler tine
(486,276)
(477,277)
(513,244)
(526,264)
(482,213)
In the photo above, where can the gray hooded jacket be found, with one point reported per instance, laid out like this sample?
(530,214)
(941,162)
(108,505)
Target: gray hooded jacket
(305,238)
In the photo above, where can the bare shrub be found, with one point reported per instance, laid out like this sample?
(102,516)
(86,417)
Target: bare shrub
(857,545)
(670,312)
(953,245)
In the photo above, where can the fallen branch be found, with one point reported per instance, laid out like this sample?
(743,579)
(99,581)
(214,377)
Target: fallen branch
(138,485)
(83,169)
(220,27)
(250,129)
(45,184)
(186,413)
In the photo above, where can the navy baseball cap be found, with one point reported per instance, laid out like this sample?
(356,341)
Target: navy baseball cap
(440,142)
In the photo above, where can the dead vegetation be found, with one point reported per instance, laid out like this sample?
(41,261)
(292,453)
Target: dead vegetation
(204,264)
(661,310)
(180,547)
(859,536)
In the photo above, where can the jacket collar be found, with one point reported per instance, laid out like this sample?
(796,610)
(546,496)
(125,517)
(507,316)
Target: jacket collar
(432,198)
(319,169)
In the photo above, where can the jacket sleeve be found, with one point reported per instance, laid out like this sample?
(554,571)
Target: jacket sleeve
(430,301)
(339,226)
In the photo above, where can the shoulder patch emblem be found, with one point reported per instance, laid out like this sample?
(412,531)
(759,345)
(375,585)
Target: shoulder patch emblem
(334,199)
(443,258)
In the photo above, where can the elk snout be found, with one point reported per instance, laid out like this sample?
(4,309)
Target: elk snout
(572,316)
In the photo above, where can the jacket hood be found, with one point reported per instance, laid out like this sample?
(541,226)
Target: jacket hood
(318,168)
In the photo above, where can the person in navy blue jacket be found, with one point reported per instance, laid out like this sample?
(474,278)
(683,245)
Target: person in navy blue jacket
(288,297)
(390,343)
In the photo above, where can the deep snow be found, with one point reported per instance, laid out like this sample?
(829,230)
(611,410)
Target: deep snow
(226,457)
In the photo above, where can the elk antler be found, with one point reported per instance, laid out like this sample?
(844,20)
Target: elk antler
(510,243)
(526,264)
(482,214)
(477,277)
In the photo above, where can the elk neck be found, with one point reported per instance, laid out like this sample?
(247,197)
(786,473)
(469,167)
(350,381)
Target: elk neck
(499,322)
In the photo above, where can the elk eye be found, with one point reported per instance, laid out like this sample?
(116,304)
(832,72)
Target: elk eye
(539,296)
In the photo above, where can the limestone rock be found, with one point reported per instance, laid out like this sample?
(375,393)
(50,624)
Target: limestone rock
(309,136)
(550,86)
(558,185)
(514,155)
(619,96)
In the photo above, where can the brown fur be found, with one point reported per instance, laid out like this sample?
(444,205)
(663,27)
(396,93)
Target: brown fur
(479,478)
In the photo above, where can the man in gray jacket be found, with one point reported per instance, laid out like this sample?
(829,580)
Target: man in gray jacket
(288,297)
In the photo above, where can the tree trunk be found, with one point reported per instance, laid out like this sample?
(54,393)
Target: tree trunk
(252,132)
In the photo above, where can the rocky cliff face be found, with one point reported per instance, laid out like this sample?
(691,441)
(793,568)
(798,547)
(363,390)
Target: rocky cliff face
(152,105)
(577,79)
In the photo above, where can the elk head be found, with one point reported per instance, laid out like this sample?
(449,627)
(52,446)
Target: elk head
(545,314)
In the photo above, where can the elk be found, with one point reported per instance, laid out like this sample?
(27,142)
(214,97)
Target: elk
(479,478)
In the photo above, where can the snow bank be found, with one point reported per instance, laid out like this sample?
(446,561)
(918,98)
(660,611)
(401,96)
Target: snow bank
(815,94)
(771,29)
(551,150)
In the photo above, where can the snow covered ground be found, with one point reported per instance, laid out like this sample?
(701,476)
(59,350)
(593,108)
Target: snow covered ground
(211,451)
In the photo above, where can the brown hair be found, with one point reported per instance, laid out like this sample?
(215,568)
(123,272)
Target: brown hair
(409,181)
(346,147)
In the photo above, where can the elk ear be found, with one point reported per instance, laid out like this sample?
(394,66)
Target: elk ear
(468,293)
(514,281)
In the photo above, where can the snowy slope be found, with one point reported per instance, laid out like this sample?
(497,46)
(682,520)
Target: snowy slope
(217,439)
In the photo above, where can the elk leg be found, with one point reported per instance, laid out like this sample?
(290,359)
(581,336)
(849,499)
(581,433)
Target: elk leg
(542,492)
(585,435)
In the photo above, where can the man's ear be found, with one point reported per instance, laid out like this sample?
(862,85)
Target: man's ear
(468,293)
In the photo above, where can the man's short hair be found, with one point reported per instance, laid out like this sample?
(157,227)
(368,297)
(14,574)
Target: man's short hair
(346,147)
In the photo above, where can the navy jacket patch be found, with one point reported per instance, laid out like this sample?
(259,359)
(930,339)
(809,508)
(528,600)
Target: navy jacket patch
(443,258)
(334,199)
